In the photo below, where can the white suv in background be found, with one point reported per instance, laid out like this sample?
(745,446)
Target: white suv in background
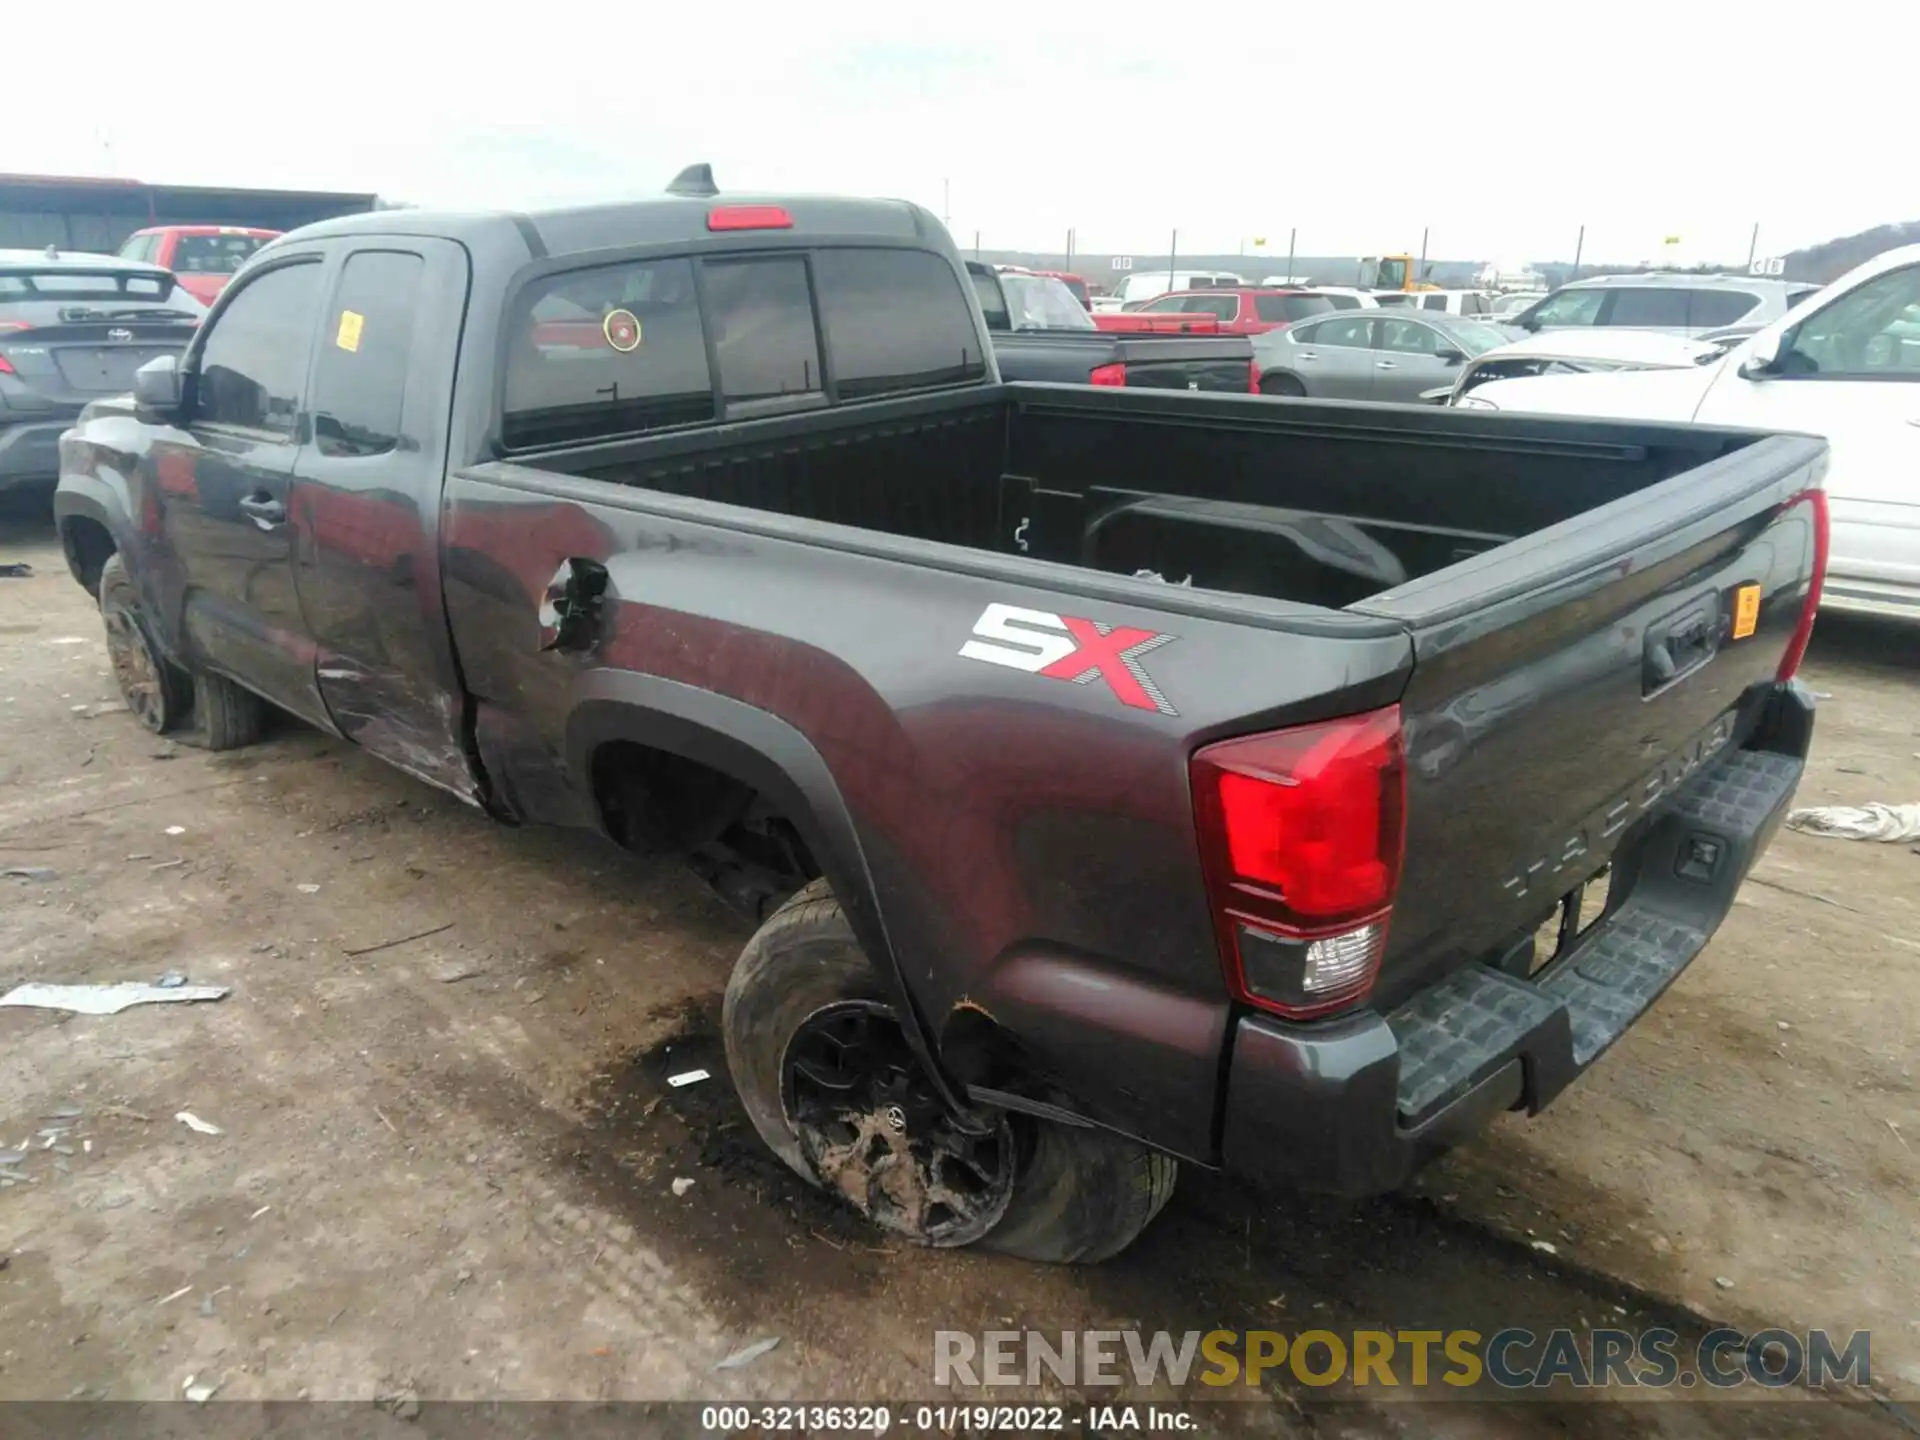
(1662,300)
(1845,364)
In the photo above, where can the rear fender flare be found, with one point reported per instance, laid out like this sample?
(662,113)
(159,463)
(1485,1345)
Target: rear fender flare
(758,749)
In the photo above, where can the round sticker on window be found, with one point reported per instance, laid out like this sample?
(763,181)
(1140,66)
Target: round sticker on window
(622,329)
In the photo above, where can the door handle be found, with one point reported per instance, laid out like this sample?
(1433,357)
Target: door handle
(265,511)
(1308,355)
(1385,365)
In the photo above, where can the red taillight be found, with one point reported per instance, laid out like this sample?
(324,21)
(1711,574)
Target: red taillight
(1253,377)
(749,217)
(1114,374)
(6,366)
(1301,834)
(1822,539)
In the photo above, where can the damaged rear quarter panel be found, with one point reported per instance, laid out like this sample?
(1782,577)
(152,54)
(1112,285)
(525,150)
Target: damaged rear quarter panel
(1028,843)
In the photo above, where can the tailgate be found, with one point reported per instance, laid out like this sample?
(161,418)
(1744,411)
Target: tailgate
(1178,363)
(1569,683)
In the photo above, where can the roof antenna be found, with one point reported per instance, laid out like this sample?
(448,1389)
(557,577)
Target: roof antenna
(694,180)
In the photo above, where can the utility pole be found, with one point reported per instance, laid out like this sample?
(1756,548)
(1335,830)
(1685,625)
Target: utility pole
(976,244)
(1579,245)
(1173,254)
(1753,245)
(1421,277)
(1292,235)
(1069,249)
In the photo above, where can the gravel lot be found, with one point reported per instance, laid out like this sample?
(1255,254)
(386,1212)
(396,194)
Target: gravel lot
(445,1163)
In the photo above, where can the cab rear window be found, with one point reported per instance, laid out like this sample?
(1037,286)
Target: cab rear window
(623,350)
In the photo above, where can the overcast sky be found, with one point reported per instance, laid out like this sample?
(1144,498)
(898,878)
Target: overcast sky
(1233,122)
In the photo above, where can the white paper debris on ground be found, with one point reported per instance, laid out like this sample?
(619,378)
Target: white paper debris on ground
(1546,1247)
(681,1184)
(688,1077)
(176,829)
(194,1123)
(1873,821)
(308,889)
(107,999)
(198,1394)
(748,1354)
(66,640)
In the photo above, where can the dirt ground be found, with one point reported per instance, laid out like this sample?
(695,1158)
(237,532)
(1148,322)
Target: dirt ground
(445,1164)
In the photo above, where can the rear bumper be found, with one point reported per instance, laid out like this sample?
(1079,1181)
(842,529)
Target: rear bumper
(30,450)
(1356,1106)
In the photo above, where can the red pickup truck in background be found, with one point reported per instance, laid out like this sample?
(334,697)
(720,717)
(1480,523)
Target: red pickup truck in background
(204,257)
(1247,311)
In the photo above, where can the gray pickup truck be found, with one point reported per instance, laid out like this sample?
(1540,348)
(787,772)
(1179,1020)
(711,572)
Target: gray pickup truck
(1110,778)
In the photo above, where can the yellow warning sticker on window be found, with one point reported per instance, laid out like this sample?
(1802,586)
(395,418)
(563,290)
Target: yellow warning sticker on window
(1746,611)
(347,337)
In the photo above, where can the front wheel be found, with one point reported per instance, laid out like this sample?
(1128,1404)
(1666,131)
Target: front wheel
(157,693)
(824,1070)
(161,696)
(1287,385)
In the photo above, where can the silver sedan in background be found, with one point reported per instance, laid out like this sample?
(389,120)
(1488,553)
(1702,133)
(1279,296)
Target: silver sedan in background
(1388,355)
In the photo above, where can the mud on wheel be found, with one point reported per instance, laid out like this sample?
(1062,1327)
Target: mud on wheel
(827,1077)
(156,693)
(164,698)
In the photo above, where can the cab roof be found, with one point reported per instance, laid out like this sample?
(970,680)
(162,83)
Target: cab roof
(657,220)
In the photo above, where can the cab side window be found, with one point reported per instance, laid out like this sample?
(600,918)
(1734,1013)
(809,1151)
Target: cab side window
(366,344)
(253,363)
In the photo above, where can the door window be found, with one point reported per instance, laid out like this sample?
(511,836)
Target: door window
(1569,307)
(253,362)
(1870,333)
(1410,337)
(1677,308)
(1345,333)
(360,379)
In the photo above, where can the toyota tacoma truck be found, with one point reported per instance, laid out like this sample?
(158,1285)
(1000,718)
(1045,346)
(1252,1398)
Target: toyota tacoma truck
(1040,332)
(1117,778)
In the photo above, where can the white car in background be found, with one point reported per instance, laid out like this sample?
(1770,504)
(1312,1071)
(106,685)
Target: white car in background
(1347,297)
(1843,363)
(1469,304)
(1578,352)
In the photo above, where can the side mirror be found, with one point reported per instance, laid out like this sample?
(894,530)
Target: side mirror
(156,387)
(1449,355)
(1762,358)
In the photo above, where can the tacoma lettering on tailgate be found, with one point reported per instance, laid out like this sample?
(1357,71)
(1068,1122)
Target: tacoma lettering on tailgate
(1065,647)
(1595,838)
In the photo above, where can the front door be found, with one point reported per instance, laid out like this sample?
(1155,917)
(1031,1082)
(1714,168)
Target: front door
(1850,371)
(224,485)
(366,505)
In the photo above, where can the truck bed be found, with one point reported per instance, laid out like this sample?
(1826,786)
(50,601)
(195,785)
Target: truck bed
(1317,504)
